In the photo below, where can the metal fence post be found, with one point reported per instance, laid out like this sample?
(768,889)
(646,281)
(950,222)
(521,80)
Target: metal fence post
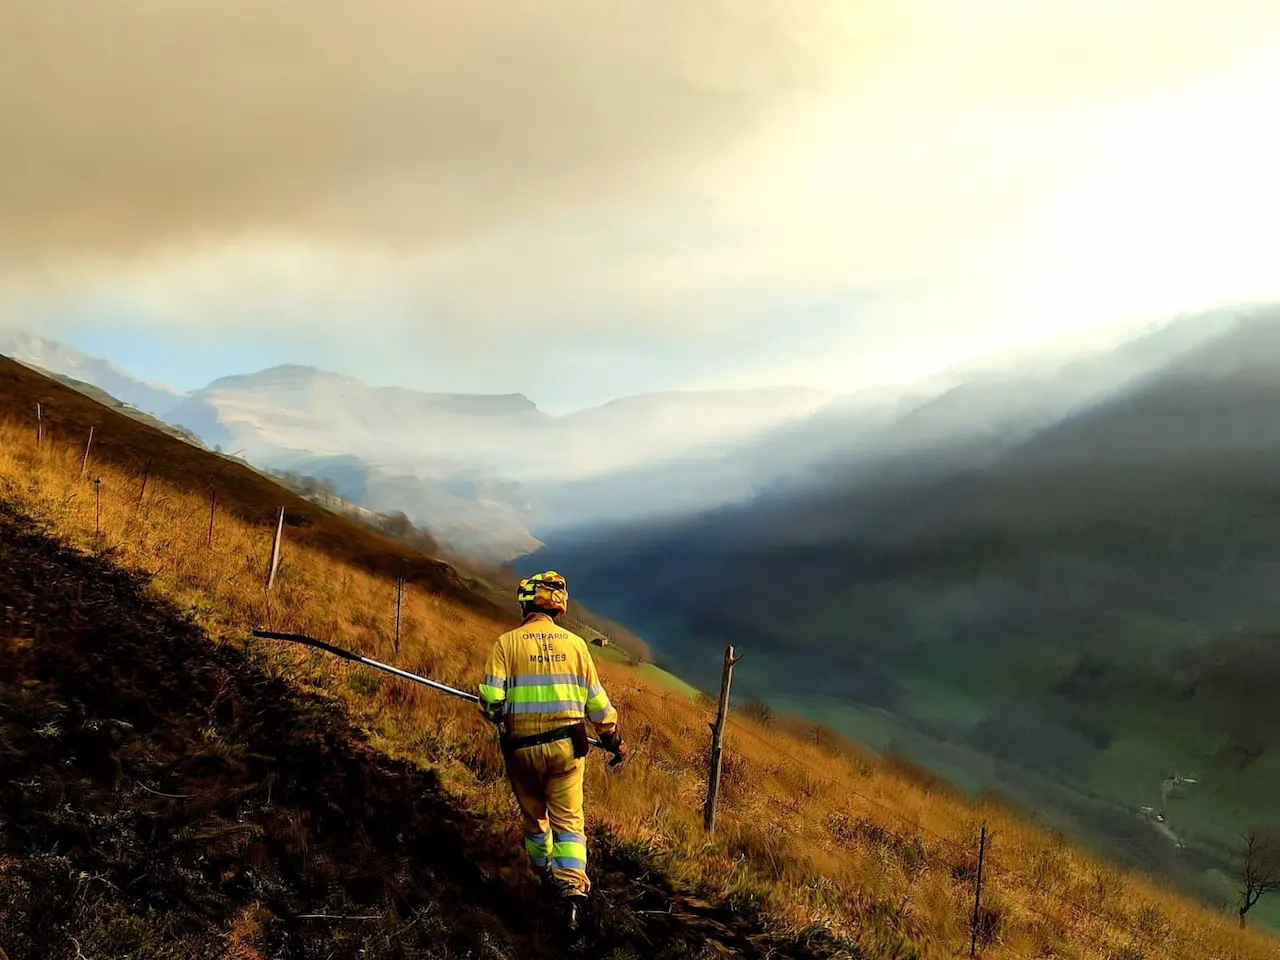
(146,475)
(977,891)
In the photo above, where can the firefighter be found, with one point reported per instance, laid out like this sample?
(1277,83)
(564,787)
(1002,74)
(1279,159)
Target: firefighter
(541,686)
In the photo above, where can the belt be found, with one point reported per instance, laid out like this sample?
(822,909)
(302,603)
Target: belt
(536,739)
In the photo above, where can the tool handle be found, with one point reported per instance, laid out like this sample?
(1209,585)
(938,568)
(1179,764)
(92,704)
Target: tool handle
(368,662)
(356,658)
(310,642)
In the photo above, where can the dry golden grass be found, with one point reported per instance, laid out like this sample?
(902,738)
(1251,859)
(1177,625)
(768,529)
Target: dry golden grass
(244,939)
(818,839)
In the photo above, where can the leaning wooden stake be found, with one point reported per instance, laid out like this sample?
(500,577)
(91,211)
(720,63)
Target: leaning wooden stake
(97,506)
(146,475)
(39,425)
(399,598)
(717,741)
(213,505)
(84,462)
(977,891)
(275,550)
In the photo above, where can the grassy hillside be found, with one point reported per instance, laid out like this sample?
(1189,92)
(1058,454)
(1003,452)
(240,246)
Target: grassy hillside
(465,508)
(164,797)
(1070,619)
(107,400)
(822,848)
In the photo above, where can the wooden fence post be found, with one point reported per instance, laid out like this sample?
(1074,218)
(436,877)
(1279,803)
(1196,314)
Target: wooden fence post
(977,891)
(717,741)
(97,506)
(146,475)
(39,425)
(84,462)
(213,505)
(275,550)
(399,598)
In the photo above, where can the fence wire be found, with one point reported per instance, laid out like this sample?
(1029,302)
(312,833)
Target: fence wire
(992,865)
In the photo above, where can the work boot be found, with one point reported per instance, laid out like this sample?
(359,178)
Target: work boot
(547,884)
(572,910)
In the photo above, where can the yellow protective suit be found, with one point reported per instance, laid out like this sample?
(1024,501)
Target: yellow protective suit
(541,677)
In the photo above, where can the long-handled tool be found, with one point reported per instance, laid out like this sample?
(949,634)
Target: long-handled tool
(356,658)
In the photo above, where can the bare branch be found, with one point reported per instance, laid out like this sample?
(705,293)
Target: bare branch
(167,796)
(1259,868)
(332,916)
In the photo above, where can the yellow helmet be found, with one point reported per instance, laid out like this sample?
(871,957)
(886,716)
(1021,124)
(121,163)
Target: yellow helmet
(547,592)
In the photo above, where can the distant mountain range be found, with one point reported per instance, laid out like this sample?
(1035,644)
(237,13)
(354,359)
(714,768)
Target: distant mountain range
(459,464)
(154,398)
(462,466)
(292,409)
(493,475)
(974,411)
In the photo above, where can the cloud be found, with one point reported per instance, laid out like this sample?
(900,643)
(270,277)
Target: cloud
(142,123)
(139,123)
(804,190)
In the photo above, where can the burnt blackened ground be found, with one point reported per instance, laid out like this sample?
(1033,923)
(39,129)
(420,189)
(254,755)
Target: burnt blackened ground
(163,796)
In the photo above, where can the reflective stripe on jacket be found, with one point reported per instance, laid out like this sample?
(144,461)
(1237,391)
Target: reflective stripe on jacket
(541,676)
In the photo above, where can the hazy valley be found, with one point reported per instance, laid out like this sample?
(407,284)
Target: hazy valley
(1070,615)
(1050,578)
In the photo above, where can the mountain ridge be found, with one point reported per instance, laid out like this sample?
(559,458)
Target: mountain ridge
(653,454)
(431,447)
(153,397)
(308,375)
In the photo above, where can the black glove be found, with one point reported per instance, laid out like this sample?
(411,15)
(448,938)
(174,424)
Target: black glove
(614,743)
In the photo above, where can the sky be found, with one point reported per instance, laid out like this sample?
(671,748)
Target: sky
(597,198)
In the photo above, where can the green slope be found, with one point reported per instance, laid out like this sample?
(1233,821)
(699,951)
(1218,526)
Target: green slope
(1069,619)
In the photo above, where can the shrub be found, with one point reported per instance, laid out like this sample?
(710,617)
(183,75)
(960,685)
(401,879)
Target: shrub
(365,682)
(907,769)
(759,711)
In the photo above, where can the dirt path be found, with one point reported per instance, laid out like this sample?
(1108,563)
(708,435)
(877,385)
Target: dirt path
(161,796)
